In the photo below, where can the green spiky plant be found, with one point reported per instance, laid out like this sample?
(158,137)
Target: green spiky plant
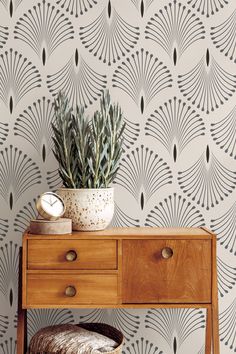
(88,151)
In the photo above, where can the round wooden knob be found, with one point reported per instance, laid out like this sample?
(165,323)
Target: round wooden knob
(70,291)
(167,252)
(71,256)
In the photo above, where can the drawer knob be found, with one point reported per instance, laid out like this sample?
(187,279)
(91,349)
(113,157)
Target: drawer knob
(71,256)
(167,252)
(70,291)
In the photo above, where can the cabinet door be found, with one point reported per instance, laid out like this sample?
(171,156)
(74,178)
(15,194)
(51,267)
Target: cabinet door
(166,271)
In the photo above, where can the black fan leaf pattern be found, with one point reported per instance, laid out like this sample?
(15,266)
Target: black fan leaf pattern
(121,219)
(78,81)
(202,350)
(11,5)
(52,27)
(15,320)
(142,77)
(175,211)
(224,37)
(175,28)
(23,217)
(109,37)
(226,277)
(170,64)
(77,7)
(207,181)
(54,180)
(34,125)
(3,132)
(17,77)
(224,133)
(208,7)
(131,133)
(4,322)
(122,319)
(175,125)
(166,323)
(142,5)
(142,347)
(39,318)
(142,172)
(8,346)
(4,226)
(9,268)
(3,35)
(227,325)
(207,85)
(18,174)
(225,228)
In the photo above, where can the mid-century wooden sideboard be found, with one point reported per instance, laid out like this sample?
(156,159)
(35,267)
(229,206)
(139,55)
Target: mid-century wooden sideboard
(121,268)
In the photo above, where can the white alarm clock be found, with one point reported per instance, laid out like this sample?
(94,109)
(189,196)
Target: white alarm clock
(50,206)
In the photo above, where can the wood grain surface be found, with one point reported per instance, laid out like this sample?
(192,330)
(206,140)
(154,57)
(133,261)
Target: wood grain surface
(150,278)
(91,289)
(133,232)
(123,268)
(91,254)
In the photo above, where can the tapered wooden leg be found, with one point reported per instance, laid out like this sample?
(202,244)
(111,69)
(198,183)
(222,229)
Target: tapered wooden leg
(22,332)
(215,311)
(22,315)
(208,341)
(215,330)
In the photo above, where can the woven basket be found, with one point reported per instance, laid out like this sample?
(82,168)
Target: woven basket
(100,328)
(108,331)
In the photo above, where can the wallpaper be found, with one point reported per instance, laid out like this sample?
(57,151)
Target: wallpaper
(171,66)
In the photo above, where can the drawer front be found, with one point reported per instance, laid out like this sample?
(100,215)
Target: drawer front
(66,289)
(170,271)
(72,254)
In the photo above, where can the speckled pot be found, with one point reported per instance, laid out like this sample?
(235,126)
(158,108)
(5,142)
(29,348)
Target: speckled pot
(89,209)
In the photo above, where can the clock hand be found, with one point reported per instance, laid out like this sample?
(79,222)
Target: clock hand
(46,201)
(54,202)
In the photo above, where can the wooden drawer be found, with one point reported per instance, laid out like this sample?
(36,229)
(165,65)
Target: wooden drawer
(185,277)
(91,289)
(89,254)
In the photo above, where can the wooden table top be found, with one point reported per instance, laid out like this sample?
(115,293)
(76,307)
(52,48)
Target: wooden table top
(133,232)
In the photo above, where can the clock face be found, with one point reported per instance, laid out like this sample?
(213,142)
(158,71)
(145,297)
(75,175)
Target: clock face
(52,204)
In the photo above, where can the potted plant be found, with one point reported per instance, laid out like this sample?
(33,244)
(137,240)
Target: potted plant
(88,154)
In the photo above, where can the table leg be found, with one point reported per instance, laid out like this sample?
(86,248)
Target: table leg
(22,332)
(215,330)
(22,315)
(208,340)
(215,311)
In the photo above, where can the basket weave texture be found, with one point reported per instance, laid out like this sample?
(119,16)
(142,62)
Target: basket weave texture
(67,338)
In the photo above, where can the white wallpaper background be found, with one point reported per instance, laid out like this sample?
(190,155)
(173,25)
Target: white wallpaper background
(171,65)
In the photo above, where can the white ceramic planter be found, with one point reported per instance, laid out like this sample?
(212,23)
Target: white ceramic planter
(89,209)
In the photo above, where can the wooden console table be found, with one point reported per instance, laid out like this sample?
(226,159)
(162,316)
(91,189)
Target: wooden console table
(121,268)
